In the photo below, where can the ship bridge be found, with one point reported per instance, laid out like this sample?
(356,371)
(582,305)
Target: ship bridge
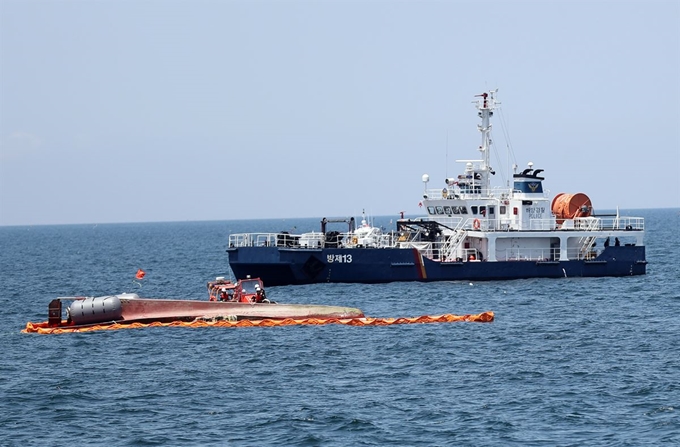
(528,181)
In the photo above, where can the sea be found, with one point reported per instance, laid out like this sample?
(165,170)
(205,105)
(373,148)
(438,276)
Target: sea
(566,362)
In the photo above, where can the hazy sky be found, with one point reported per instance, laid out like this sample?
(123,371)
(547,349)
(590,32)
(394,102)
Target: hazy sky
(134,111)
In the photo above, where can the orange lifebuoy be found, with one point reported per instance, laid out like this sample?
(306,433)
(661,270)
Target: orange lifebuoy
(476,223)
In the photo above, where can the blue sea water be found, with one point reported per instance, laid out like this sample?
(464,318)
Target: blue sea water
(572,361)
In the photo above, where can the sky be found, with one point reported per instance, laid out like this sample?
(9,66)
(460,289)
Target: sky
(150,111)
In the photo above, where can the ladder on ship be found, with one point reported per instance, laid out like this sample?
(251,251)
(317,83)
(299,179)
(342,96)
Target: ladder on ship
(452,243)
(587,243)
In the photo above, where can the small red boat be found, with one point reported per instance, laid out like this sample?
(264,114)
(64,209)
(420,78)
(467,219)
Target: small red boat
(244,299)
(249,290)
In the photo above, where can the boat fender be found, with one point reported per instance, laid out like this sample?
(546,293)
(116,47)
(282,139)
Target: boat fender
(476,223)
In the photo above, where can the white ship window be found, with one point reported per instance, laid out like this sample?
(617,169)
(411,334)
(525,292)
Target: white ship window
(430,210)
(463,210)
(447,210)
(474,209)
(440,210)
(503,209)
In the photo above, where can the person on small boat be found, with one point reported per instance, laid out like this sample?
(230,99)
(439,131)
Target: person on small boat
(260,296)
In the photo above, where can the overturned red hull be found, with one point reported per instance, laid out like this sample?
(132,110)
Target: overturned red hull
(164,309)
(129,308)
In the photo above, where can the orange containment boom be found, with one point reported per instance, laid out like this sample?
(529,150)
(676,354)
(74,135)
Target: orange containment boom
(569,206)
(485,317)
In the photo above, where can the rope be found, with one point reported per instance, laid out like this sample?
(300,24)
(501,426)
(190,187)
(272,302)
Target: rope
(485,317)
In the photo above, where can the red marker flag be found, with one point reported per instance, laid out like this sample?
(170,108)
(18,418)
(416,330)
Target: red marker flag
(140,274)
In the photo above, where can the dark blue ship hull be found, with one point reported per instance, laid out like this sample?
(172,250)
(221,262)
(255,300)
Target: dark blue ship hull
(292,266)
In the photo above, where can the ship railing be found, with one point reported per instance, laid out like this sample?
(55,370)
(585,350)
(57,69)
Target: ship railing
(547,254)
(472,192)
(436,251)
(528,254)
(504,224)
(612,223)
(388,240)
(501,192)
(439,251)
(253,239)
(542,224)
(307,240)
(382,240)
(588,223)
(456,193)
(621,223)
(475,192)
(580,254)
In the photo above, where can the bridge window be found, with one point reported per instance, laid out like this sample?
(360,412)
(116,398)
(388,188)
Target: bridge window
(447,210)
(430,210)
(474,209)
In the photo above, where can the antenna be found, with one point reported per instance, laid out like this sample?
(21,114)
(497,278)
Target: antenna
(446,167)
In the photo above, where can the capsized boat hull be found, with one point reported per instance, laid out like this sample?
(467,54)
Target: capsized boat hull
(129,308)
(138,309)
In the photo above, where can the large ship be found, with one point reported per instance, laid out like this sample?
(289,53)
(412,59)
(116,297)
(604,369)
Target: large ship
(472,231)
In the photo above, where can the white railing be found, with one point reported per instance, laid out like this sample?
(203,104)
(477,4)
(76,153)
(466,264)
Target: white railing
(528,254)
(499,192)
(306,240)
